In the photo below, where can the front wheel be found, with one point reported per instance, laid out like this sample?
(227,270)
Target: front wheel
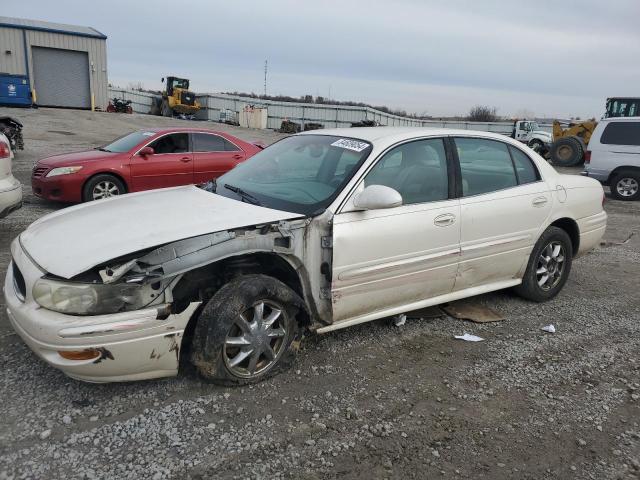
(537,146)
(548,267)
(245,331)
(101,187)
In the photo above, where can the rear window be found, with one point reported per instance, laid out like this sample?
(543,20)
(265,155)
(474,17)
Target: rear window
(621,133)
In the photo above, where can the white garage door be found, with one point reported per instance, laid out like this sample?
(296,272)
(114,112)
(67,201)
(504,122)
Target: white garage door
(61,77)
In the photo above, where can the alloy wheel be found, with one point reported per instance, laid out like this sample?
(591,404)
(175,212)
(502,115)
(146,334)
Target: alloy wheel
(256,340)
(105,189)
(550,266)
(627,187)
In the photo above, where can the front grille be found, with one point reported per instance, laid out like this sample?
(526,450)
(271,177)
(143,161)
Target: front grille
(18,282)
(39,171)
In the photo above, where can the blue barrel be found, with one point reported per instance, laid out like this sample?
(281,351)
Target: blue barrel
(14,90)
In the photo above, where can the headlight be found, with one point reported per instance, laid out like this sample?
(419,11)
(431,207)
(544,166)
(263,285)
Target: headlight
(87,298)
(63,171)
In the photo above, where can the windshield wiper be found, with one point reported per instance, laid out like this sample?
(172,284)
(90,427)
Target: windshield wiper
(244,195)
(102,149)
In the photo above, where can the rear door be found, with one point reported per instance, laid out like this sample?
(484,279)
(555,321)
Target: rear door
(504,204)
(213,155)
(171,165)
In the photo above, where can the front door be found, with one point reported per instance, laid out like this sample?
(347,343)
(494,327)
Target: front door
(170,165)
(213,156)
(503,206)
(396,257)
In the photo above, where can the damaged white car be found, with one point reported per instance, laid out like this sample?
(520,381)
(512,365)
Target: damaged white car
(319,231)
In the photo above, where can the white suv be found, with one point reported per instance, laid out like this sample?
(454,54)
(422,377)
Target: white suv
(613,156)
(10,187)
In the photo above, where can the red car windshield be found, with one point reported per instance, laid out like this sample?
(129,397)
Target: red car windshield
(126,143)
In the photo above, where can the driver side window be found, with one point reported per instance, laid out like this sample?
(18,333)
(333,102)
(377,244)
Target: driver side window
(173,143)
(417,170)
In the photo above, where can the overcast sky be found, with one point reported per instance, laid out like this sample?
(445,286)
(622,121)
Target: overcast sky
(548,57)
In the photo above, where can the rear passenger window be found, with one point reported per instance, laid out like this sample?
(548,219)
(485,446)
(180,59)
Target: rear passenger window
(621,133)
(205,142)
(526,170)
(417,170)
(485,166)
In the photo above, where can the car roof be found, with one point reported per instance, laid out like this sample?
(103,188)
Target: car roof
(181,129)
(397,134)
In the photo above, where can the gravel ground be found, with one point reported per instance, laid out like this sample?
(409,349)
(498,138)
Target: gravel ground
(373,401)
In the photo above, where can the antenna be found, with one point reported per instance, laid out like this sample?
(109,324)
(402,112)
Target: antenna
(265,78)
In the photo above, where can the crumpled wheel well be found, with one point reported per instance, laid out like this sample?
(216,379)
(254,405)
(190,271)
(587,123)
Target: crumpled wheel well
(202,284)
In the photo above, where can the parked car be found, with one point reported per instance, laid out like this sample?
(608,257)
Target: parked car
(613,156)
(10,187)
(142,160)
(320,231)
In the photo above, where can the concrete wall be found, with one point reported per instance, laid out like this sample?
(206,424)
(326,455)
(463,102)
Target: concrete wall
(14,39)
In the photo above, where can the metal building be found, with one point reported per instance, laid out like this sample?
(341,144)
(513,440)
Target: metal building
(62,65)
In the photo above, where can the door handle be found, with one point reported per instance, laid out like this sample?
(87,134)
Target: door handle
(444,220)
(237,156)
(185,159)
(539,201)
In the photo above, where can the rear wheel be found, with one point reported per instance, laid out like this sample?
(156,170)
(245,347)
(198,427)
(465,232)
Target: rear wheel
(244,333)
(549,266)
(625,186)
(101,187)
(567,152)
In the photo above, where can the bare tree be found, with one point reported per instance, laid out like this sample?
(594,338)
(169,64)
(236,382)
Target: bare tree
(138,86)
(482,113)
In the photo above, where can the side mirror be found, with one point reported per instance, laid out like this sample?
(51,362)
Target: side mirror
(376,197)
(146,151)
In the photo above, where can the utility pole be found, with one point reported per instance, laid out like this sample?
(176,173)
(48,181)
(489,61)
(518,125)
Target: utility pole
(265,78)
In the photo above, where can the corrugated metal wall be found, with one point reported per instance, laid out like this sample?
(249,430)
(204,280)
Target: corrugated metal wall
(96,48)
(11,39)
(330,116)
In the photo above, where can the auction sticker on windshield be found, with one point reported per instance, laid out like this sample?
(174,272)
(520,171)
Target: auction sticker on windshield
(354,145)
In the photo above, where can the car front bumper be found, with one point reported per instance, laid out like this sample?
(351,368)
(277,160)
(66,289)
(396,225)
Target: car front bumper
(10,196)
(61,188)
(133,345)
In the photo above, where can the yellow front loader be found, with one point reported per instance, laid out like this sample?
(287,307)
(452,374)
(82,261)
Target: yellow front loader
(176,99)
(570,143)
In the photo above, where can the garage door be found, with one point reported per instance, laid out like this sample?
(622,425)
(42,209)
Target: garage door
(61,77)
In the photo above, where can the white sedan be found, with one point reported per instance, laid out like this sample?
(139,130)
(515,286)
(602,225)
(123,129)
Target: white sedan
(319,231)
(10,187)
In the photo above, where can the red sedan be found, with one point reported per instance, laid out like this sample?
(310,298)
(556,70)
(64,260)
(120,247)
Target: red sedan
(142,160)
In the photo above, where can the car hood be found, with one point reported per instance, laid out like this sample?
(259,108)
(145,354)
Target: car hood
(542,133)
(75,239)
(75,158)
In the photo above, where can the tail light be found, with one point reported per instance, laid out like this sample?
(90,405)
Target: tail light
(603,199)
(587,156)
(4,150)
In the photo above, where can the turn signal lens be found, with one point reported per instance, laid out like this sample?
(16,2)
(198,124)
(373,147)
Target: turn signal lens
(587,156)
(86,354)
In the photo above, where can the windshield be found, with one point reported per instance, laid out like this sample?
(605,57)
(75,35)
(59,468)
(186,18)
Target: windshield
(534,126)
(180,83)
(301,174)
(126,143)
